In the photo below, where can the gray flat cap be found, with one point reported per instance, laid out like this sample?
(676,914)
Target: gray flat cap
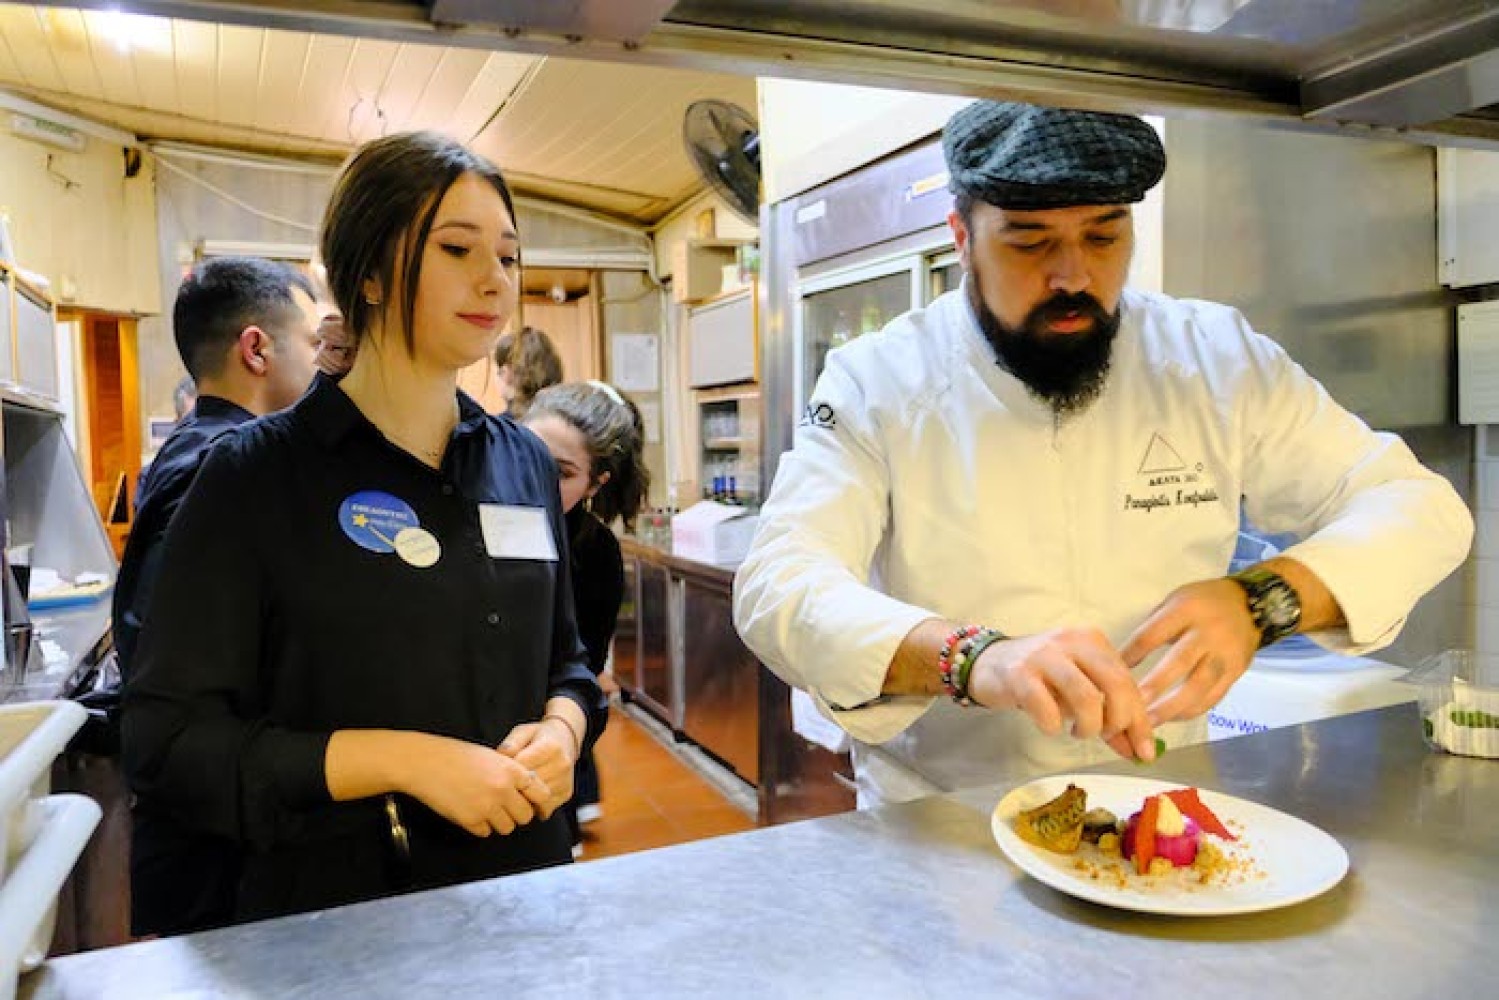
(1023,156)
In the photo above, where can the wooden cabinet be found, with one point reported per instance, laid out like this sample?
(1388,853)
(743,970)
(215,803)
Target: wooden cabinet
(678,655)
(658,672)
(720,680)
(1467,216)
(28,337)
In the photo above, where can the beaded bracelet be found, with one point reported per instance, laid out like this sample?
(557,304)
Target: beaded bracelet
(946,655)
(968,653)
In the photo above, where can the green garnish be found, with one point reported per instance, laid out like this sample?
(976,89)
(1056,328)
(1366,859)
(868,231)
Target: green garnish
(1160,748)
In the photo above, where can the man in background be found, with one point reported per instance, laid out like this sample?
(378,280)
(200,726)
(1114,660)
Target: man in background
(247,332)
(184,396)
(527,362)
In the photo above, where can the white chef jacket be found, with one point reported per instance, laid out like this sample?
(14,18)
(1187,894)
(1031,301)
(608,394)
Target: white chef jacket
(925,480)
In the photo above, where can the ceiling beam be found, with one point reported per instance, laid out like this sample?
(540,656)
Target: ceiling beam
(1087,79)
(1381,95)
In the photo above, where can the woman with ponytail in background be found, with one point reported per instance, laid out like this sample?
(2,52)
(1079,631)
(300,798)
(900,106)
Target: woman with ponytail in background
(595,435)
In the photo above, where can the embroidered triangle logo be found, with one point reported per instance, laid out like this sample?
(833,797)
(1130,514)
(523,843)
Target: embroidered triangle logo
(1160,457)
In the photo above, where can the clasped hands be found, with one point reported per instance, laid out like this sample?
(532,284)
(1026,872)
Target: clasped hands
(1074,678)
(526,778)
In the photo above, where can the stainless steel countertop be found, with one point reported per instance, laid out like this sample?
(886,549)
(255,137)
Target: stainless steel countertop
(914,901)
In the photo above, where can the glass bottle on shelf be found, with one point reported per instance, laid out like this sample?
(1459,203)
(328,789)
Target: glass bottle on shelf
(842,331)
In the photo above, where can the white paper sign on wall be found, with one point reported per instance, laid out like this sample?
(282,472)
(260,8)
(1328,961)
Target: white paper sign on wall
(1478,363)
(635,361)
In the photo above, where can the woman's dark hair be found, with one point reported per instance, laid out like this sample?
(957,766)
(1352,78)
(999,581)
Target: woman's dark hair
(382,206)
(615,438)
(534,361)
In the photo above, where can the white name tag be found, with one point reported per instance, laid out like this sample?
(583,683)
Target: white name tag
(517,532)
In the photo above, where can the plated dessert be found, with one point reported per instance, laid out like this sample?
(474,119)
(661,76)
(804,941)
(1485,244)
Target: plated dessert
(1159,847)
(1171,831)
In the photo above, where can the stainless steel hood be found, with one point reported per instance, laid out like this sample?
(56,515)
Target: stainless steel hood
(1425,69)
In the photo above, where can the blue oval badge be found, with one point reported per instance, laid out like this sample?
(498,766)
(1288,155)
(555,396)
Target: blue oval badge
(372,519)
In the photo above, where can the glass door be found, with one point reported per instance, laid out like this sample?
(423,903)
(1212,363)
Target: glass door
(834,309)
(944,274)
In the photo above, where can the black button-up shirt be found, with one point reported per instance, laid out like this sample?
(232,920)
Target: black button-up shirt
(277,621)
(162,488)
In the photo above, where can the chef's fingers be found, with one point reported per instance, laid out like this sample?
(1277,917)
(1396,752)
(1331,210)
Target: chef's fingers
(1077,695)
(1217,692)
(1189,700)
(1165,624)
(1173,668)
(1124,706)
(1209,682)
(1121,744)
(1033,697)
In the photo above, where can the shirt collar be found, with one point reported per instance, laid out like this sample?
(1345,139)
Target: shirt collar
(217,407)
(332,415)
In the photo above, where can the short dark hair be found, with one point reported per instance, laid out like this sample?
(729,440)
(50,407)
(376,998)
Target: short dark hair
(533,359)
(962,203)
(383,203)
(615,436)
(223,295)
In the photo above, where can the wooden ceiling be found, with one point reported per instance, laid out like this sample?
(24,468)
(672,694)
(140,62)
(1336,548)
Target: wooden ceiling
(603,136)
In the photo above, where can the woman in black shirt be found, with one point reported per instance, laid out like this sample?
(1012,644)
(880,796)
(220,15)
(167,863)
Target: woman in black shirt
(362,662)
(594,434)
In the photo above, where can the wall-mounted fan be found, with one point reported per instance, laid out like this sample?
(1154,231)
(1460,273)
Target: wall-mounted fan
(724,142)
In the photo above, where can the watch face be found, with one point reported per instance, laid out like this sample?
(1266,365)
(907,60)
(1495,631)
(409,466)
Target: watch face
(1281,609)
(1273,604)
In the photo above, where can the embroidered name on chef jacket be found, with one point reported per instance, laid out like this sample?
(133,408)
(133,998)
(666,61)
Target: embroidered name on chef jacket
(517,532)
(383,523)
(1166,479)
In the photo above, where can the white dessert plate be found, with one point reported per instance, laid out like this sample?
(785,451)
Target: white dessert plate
(1279,860)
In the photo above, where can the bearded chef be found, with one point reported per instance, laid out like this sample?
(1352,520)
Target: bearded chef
(1004,529)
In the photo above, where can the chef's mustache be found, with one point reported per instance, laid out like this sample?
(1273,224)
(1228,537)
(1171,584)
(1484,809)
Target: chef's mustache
(1064,304)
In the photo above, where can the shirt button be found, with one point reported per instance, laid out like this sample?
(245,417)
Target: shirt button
(493,618)
(447,489)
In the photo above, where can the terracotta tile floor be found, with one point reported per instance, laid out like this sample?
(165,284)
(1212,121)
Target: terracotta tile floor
(650,798)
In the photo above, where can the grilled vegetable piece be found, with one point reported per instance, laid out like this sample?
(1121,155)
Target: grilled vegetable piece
(1056,825)
(1097,822)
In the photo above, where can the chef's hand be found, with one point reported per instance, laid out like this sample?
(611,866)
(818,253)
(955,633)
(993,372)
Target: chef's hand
(474,787)
(1069,673)
(1212,638)
(548,748)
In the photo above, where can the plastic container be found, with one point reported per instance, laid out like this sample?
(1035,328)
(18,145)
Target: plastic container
(28,896)
(41,836)
(1459,700)
(32,735)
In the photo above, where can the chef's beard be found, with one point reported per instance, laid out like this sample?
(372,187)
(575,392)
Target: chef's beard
(1064,370)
